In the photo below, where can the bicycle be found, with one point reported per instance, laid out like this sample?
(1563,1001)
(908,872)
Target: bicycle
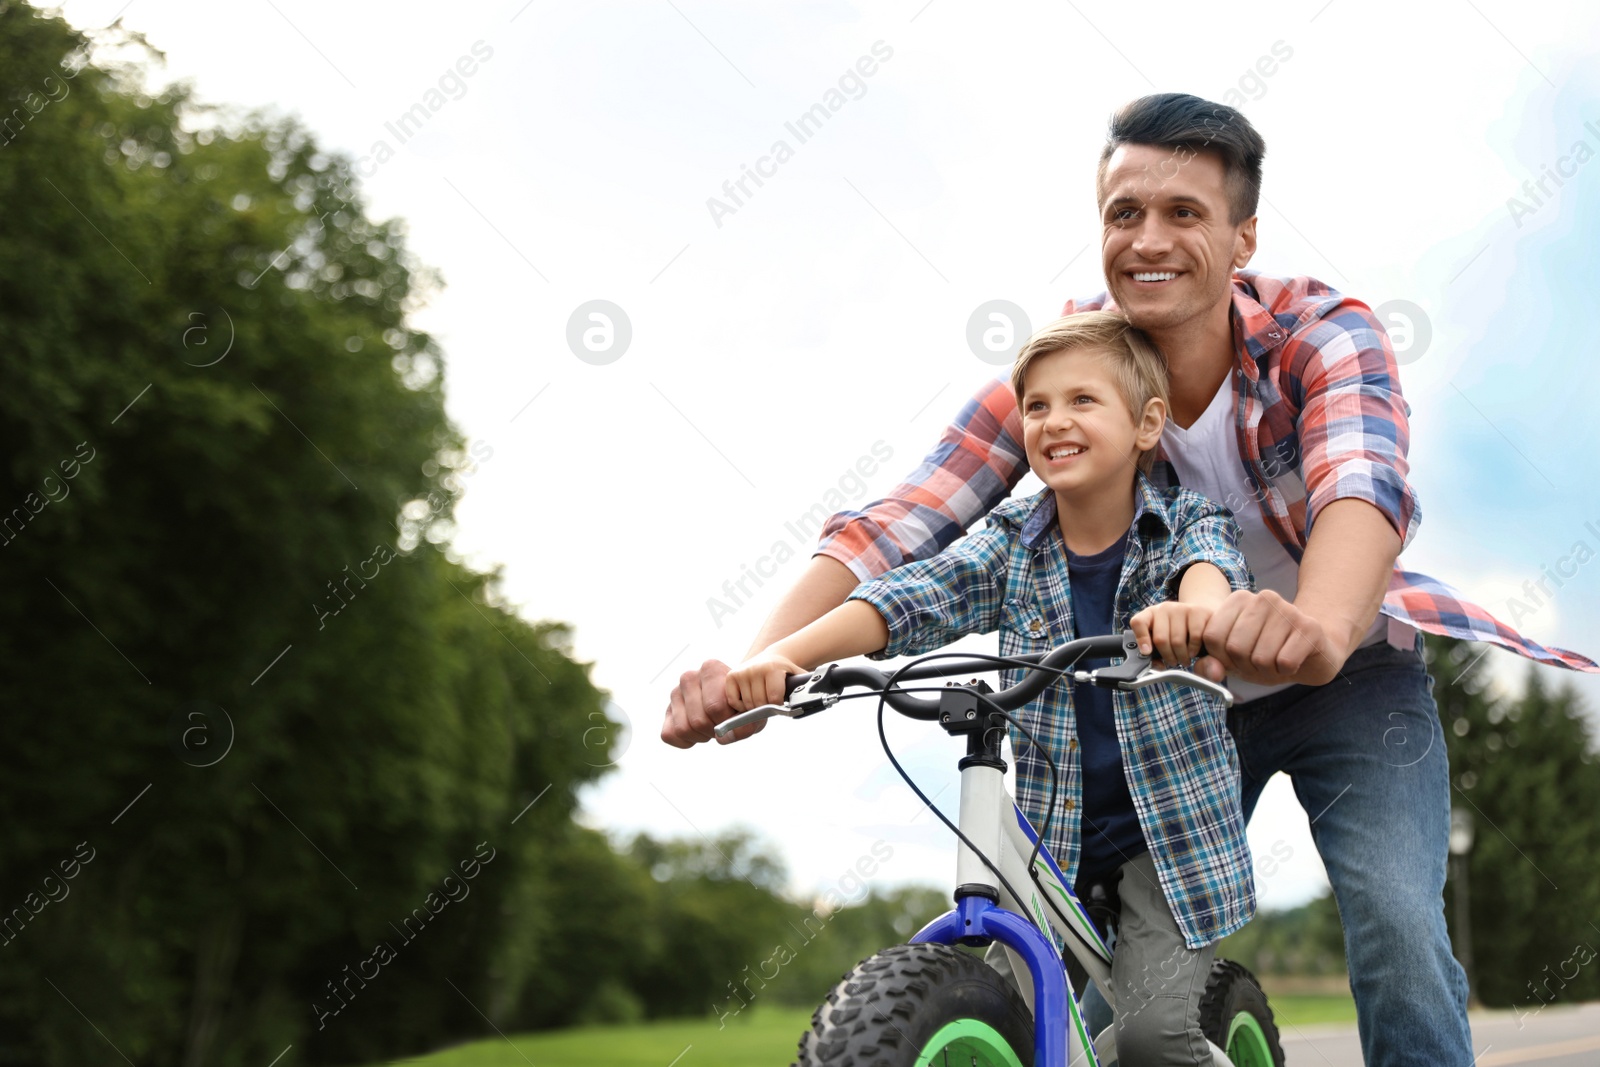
(927,1002)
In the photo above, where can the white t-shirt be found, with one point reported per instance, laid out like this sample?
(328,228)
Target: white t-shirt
(1206,457)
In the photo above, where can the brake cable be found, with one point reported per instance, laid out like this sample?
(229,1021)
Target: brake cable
(1033,873)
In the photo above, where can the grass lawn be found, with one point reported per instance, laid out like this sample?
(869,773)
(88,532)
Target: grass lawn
(756,1037)
(1310,1009)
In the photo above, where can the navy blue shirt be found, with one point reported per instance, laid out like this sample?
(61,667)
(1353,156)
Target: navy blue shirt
(1110,825)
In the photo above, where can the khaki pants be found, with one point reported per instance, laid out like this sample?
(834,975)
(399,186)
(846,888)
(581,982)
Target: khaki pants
(1158,980)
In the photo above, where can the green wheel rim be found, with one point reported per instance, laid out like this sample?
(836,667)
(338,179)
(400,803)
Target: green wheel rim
(1247,1044)
(968,1042)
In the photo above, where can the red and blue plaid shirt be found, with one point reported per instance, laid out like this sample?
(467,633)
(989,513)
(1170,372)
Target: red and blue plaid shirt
(1319,415)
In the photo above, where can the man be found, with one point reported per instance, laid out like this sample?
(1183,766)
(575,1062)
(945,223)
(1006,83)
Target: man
(1286,408)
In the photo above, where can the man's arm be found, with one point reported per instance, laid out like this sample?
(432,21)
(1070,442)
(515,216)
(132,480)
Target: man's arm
(922,605)
(1344,572)
(853,628)
(1353,429)
(823,587)
(911,609)
(699,701)
(977,462)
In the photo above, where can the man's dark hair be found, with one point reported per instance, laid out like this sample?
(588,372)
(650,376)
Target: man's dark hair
(1187,123)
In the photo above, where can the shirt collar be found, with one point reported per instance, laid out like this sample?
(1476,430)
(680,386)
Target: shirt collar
(1256,331)
(1040,512)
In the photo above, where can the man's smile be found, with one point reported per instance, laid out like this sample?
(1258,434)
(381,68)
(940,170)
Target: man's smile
(1152,277)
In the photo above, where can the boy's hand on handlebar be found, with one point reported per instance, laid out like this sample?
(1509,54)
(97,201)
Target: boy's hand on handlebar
(759,680)
(1172,630)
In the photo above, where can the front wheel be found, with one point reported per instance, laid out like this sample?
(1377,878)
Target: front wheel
(1235,1017)
(916,1005)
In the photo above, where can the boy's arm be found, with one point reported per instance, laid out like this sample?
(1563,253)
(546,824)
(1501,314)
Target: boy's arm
(909,610)
(1173,628)
(854,628)
(1203,584)
(977,461)
(1205,568)
(1206,532)
(824,585)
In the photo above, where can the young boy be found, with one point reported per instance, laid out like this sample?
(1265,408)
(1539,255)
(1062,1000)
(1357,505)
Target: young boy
(1149,803)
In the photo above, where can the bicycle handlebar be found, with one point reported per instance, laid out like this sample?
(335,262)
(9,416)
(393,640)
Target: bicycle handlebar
(807,694)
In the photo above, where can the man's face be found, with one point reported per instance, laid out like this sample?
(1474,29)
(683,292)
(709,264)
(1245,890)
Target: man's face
(1168,249)
(1077,430)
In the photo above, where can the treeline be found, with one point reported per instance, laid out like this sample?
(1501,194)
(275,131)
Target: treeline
(1523,898)
(278,770)
(1302,942)
(704,927)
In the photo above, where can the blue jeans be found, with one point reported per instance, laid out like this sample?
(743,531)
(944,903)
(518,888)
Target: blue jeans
(1366,754)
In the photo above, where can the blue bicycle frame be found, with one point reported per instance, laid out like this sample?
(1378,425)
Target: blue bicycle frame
(1036,928)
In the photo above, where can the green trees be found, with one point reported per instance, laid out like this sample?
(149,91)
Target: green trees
(1524,773)
(1523,902)
(1302,942)
(242,669)
(277,769)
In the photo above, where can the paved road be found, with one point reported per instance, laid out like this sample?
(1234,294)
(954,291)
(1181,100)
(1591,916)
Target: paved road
(1553,1037)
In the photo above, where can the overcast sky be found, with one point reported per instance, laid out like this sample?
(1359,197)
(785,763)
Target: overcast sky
(816,325)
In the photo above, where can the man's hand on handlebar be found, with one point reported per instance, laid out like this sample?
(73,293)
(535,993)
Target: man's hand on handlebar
(1265,639)
(760,680)
(699,703)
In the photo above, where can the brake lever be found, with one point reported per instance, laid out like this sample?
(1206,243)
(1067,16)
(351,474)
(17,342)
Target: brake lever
(1136,672)
(807,699)
(745,718)
(1151,677)
(1188,677)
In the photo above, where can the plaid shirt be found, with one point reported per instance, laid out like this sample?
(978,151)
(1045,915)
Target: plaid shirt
(1319,417)
(1178,756)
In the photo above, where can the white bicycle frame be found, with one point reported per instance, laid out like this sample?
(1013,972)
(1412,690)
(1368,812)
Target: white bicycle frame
(991,820)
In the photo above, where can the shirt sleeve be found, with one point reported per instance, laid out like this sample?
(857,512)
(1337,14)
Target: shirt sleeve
(1354,427)
(928,604)
(1206,532)
(975,465)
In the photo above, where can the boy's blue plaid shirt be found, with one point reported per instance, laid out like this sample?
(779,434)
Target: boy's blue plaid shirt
(1177,754)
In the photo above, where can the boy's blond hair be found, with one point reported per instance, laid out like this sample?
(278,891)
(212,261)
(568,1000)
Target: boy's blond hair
(1137,366)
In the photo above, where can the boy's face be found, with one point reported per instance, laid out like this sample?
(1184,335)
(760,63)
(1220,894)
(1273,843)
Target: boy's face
(1076,427)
